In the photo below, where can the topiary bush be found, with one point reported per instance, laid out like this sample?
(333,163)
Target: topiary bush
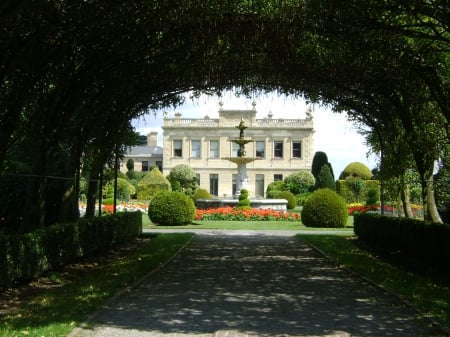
(356,170)
(372,197)
(291,202)
(171,209)
(152,183)
(201,193)
(324,208)
(244,200)
(274,188)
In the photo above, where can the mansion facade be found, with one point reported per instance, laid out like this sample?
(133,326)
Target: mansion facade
(279,148)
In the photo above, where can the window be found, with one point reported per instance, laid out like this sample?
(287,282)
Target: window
(197,177)
(278,149)
(213,149)
(259,185)
(214,184)
(234,180)
(178,148)
(195,151)
(296,149)
(277,177)
(234,150)
(260,147)
(144,166)
(159,164)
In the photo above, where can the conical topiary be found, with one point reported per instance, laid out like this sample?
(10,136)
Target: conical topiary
(152,183)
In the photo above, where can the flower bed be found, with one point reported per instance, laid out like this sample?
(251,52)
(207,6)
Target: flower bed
(231,213)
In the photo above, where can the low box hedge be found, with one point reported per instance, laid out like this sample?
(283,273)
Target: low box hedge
(417,238)
(26,256)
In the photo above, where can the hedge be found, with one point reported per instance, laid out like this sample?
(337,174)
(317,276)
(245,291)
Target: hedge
(426,240)
(26,256)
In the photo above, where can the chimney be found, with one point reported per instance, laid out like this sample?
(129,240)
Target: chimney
(152,138)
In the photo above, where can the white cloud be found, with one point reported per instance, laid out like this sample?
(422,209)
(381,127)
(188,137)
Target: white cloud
(334,135)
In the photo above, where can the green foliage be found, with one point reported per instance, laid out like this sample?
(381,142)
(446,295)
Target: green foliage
(356,170)
(26,256)
(301,198)
(325,179)
(373,197)
(183,179)
(320,158)
(355,189)
(300,182)
(171,209)
(274,188)
(201,193)
(415,237)
(289,197)
(244,200)
(130,164)
(134,175)
(152,183)
(124,190)
(324,208)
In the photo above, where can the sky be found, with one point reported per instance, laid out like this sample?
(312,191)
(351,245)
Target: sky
(333,135)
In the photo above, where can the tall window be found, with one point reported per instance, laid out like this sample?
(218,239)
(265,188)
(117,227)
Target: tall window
(196,147)
(213,149)
(277,177)
(259,185)
(197,177)
(144,165)
(178,148)
(296,149)
(278,149)
(234,179)
(214,184)
(260,147)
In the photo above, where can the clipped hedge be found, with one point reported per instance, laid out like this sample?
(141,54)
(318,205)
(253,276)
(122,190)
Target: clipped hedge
(171,209)
(324,208)
(26,256)
(414,237)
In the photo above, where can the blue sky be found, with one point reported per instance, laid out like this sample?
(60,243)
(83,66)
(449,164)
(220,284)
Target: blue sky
(333,135)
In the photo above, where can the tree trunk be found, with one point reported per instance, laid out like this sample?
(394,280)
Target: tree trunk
(432,211)
(91,197)
(406,203)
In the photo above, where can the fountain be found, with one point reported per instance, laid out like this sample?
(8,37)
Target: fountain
(242,160)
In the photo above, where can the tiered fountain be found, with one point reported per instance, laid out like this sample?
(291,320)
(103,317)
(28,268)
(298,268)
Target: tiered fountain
(241,160)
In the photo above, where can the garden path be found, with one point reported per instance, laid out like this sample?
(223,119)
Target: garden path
(249,284)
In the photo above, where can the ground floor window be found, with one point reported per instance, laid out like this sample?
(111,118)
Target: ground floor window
(214,184)
(145,166)
(259,185)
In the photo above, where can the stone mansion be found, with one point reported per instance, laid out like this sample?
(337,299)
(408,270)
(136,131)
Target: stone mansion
(279,146)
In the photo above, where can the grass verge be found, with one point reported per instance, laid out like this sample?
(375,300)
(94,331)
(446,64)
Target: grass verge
(432,298)
(70,298)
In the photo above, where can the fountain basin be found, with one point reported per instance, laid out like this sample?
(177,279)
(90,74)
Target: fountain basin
(276,204)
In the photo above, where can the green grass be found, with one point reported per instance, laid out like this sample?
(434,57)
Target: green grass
(56,311)
(431,298)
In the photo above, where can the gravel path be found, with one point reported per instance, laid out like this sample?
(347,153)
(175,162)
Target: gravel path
(253,285)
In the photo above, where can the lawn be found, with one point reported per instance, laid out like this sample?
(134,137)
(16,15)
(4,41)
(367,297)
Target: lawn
(57,303)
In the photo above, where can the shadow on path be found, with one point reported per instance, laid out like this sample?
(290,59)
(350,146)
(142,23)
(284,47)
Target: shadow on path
(261,285)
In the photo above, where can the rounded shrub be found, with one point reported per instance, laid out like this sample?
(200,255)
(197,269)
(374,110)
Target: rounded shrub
(372,197)
(356,170)
(291,202)
(171,209)
(201,193)
(324,208)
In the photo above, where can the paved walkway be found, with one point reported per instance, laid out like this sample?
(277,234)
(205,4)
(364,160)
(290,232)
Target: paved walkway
(253,285)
